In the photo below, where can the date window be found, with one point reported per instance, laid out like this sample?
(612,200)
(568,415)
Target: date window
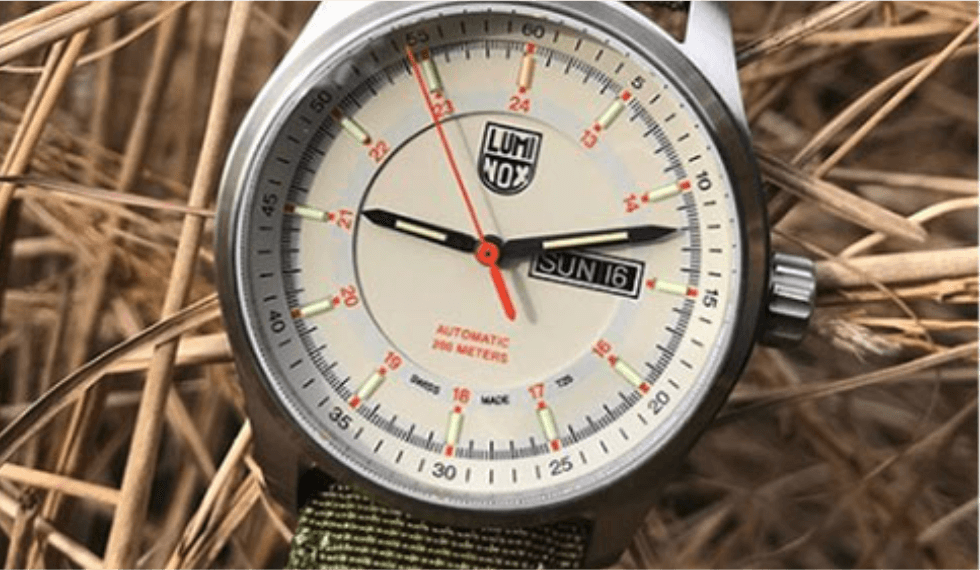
(588,270)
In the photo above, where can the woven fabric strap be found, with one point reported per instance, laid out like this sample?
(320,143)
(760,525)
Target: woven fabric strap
(340,528)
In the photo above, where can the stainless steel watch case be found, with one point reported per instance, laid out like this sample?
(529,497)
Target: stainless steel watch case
(703,66)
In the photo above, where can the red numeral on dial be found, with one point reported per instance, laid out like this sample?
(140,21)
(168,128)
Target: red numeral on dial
(443,108)
(392,360)
(345,219)
(379,151)
(461,395)
(602,348)
(519,104)
(349,296)
(589,138)
(536,390)
(632,203)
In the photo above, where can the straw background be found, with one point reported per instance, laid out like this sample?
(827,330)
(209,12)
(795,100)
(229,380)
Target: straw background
(858,448)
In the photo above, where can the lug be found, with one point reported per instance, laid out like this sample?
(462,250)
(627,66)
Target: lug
(326,15)
(277,456)
(708,43)
(612,533)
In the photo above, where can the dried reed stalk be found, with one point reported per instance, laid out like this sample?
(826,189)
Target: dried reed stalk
(857,449)
(130,514)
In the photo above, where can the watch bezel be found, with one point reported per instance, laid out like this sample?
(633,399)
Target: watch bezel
(640,36)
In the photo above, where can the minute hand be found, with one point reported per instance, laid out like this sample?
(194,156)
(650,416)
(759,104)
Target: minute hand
(526,247)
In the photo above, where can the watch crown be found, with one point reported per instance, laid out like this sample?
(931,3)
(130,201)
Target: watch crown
(792,289)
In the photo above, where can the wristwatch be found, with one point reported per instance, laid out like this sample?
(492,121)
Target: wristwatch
(489,269)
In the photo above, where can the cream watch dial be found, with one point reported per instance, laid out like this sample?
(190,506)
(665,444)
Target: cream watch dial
(588,172)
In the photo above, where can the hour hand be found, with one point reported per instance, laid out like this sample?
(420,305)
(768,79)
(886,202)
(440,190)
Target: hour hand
(526,247)
(424,230)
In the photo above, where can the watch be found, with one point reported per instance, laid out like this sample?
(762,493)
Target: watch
(489,269)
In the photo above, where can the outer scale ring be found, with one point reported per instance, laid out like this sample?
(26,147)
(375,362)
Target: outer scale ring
(268,114)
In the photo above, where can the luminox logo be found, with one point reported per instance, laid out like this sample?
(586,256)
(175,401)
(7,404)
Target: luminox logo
(508,158)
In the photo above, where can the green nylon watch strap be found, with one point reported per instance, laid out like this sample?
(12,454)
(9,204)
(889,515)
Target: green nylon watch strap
(340,528)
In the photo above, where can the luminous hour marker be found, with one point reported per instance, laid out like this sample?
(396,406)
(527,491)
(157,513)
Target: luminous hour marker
(369,387)
(453,429)
(612,112)
(315,308)
(351,127)
(665,192)
(432,78)
(671,288)
(628,373)
(308,212)
(547,420)
(526,74)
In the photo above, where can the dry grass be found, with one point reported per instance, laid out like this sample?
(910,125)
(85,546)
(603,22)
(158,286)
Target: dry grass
(123,448)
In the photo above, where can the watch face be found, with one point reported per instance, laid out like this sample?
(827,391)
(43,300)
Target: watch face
(486,257)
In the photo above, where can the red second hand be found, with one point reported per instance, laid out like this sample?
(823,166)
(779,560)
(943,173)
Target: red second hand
(445,144)
(488,252)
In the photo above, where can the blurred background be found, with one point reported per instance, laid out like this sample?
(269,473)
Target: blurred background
(858,448)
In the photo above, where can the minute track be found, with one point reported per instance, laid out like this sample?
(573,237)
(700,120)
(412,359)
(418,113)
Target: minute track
(428,443)
(607,84)
(335,176)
